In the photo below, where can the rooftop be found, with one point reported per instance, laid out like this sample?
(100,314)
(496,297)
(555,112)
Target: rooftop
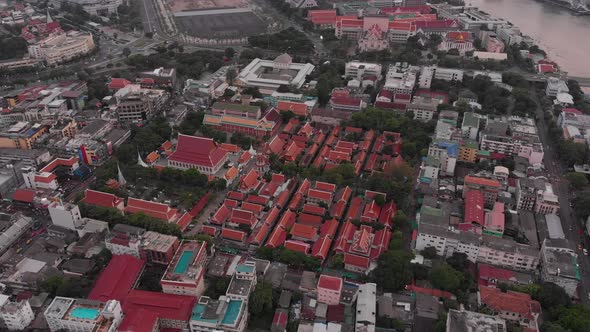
(469,321)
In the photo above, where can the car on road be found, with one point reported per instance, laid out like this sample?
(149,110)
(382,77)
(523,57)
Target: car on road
(585,251)
(580,247)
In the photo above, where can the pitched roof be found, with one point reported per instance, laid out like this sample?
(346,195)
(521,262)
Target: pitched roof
(152,209)
(249,181)
(355,260)
(329,228)
(196,150)
(320,195)
(322,16)
(309,219)
(117,278)
(166,306)
(297,246)
(469,179)
(277,237)
(299,109)
(100,198)
(330,282)
(321,247)
(304,231)
(231,234)
(510,301)
(24,195)
(474,212)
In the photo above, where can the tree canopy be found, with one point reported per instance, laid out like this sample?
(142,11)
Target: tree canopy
(393,271)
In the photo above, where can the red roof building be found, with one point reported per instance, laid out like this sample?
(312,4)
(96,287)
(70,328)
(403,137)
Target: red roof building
(103,199)
(321,248)
(474,213)
(511,305)
(304,232)
(152,209)
(24,195)
(200,153)
(298,246)
(299,109)
(234,235)
(250,181)
(117,279)
(323,18)
(175,310)
(329,289)
(118,83)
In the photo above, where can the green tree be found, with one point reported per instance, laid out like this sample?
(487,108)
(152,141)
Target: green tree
(552,296)
(446,278)
(231,75)
(577,180)
(429,252)
(393,271)
(261,299)
(126,51)
(575,318)
(458,261)
(229,52)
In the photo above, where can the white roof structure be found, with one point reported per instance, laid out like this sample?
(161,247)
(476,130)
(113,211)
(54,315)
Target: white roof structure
(272,74)
(554,226)
(564,98)
(366,307)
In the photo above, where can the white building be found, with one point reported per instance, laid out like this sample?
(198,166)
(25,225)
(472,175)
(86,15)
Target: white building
(401,78)
(448,74)
(63,47)
(82,315)
(124,240)
(555,86)
(473,321)
(65,215)
(186,276)
(424,108)
(560,267)
(270,74)
(16,315)
(426,75)
(366,308)
(98,7)
(358,70)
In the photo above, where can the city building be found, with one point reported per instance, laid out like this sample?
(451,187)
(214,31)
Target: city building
(21,135)
(424,108)
(96,7)
(185,273)
(547,201)
(426,76)
(270,74)
(470,125)
(560,268)
(83,315)
(494,220)
(470,18)
(124,240)
(511,306)
(329,289)
(267,125)
(366,307)
(63,47)
(489,187)
(447,153)
(401,78)
(158,248)
(555,86)
(196,152)
(117,279)
(136,104)
(462,41)
(469,321)
(229,313)
(16,315)
(161,77)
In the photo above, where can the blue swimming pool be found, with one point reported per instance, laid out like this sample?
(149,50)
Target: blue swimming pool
(84,313)
(232,312)
(183,262)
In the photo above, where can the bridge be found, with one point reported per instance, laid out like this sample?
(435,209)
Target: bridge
(583,81)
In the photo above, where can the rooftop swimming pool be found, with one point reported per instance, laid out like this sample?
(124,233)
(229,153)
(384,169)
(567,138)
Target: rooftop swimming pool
(84,313)
(183,262)
(232,312)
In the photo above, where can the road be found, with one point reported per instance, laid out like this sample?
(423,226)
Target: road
(569,222)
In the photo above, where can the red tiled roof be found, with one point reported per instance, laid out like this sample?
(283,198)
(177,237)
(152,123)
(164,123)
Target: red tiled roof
(277,238)
(118,83)
(320,195)
(255,208)
(280,318)
(358,261)
(166,306)
(184,221)
(261,234)
(209,230)
(329,282)
(24,195)
(231,234)
(249,181)
(309,219)
(304,232)
(489,273)
(229,147)
(430,291)
(387,213)
(436,24)
(322,17)
(240,216)
(221,215)
(140,320)
(100,198)
(282,198)
(153,209)
(200,205)
(59,162)
(45,178)
(195,150)
(321,247)
(313,209)
(474,212)
(329,228)
(345,101)
(510,301)
(298,246)
(117,279)
(236,195)
(481,181)
(299,109)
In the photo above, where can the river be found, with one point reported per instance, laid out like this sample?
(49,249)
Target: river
(565,37)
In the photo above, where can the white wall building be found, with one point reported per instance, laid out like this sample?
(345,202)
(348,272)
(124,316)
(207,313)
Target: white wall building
(358,70)
(448,74)
(63,47)
(65,215)
(82,315)
(270,74)
(16,315)
(366,308)
(555,86)
(426,75)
